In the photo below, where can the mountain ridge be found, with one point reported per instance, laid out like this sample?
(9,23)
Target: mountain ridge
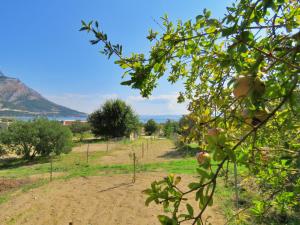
(17,99)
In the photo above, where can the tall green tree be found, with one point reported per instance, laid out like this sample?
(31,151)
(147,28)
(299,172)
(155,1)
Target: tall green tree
(151,127)
(52,137)
(241,76)
(21,137)
(170,128)
(114,119)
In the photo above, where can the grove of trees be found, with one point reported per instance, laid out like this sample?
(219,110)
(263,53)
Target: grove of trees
(114,119)
(241,76)
(39,137)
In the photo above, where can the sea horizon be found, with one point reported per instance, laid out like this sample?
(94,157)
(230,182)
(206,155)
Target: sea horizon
(142,118)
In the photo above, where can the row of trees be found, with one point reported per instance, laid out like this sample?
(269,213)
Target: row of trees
(41,137)
(117,119)
(169,128)
(38,137)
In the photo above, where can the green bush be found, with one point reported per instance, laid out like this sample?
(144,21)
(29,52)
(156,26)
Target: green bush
(37,137)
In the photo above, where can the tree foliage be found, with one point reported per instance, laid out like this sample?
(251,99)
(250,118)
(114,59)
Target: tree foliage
(114,119)
(151,127)
(80,128)
(170,128)
(37,137)
(241,79)
(2,150)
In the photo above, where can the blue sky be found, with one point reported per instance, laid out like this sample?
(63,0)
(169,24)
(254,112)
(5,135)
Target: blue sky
(40,44)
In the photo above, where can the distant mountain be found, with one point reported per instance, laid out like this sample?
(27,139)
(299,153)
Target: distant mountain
(16,99)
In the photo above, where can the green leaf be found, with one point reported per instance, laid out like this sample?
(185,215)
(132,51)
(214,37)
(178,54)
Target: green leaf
(190,209)
(204,173)
(247,36)
(206,13)
(165,220)
(83,23)
(149,200)
(228,31)
(199,17)
(211,202)
(128,82)
(167,37)
(177,180)
(83,28)
(147,191)
(194,185)
(211,29)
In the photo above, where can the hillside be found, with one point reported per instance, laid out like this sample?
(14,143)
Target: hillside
(16,99)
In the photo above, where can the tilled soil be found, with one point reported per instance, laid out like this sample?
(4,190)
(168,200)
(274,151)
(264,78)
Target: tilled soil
(157,151)
(8,184)
(101,200)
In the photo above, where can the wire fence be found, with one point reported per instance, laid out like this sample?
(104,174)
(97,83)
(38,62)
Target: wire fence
(89,156)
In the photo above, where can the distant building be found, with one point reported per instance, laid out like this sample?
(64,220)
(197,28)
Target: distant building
(133,136)
(70,122)
(5,122)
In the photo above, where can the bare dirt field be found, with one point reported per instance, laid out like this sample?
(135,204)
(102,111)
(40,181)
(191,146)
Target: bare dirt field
(157,151)
(107,199)
(103,200)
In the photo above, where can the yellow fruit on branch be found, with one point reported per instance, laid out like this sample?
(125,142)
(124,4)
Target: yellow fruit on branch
(244,85)
(215,136)
(202,157)
(254,118)
(214,132)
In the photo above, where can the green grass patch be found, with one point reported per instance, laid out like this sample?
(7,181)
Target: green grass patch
(38,183)
(3,198)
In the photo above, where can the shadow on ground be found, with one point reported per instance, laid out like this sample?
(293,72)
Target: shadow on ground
(15,162)
(179,153)
(91,141)
(117,186)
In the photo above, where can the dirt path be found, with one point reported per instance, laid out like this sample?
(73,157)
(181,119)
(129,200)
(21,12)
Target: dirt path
(103,200)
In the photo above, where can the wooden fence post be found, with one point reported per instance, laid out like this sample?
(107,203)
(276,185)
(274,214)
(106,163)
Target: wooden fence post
(134,165)
(87,153)
(147,146)
(107,145)
(51,166)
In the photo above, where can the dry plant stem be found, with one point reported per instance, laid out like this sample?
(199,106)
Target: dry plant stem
(51,167)
(134,166)
(236,186)
(87,153)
